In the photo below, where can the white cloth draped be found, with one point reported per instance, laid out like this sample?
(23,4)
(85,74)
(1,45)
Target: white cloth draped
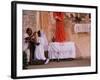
(82,28)
(61,50)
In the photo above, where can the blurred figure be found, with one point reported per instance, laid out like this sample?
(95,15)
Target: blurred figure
(39,51)
(31,41)
(60,35)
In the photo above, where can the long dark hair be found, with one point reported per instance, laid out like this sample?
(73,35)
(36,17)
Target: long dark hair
(39,33)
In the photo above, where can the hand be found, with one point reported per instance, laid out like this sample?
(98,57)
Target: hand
(58,18)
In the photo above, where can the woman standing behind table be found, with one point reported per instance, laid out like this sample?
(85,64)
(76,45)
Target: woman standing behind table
(39,51)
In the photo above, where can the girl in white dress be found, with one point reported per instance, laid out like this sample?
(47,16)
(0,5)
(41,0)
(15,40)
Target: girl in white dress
(39,51)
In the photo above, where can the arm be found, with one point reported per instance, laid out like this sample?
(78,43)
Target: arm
(33,40)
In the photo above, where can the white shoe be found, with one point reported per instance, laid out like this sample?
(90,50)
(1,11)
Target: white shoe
(46,62)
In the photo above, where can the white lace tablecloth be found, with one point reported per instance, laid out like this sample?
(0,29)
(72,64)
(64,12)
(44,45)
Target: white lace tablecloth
(61,50)
(82,28)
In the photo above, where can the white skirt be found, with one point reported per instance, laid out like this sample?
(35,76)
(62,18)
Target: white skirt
(39,52)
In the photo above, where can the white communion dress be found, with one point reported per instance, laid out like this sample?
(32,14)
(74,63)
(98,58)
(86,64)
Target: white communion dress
(39,51)
(45,40)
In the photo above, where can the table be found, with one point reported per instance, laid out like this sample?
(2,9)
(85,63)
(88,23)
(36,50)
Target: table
(63,50)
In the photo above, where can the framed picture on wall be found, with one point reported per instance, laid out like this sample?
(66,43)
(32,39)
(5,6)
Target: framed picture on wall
(50,39)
